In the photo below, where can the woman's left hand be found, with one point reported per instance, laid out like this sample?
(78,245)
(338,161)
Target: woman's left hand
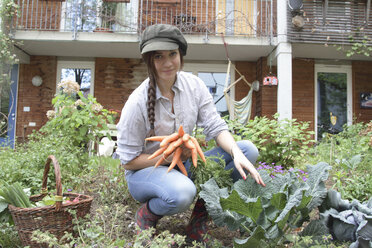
(241,163)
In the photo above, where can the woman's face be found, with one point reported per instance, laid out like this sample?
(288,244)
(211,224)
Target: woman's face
(167,64)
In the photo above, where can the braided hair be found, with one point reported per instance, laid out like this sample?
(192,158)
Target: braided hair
(148,58)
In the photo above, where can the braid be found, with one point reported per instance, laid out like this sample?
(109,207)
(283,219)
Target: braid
(151,96)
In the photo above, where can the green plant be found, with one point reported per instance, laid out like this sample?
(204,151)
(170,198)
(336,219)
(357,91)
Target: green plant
(9,236)
(360,44)
(76,116)
(266,213)
(278,141)
(8,9)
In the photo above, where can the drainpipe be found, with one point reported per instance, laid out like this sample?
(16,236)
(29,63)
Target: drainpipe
(283,54)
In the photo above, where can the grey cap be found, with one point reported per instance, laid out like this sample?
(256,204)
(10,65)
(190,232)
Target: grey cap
(162,37)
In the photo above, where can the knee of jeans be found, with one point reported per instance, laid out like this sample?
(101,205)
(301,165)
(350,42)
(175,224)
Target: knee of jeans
(184,199)
(249,150)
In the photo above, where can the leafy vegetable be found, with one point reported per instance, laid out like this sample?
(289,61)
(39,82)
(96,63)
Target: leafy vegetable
(266,213)
(348,221)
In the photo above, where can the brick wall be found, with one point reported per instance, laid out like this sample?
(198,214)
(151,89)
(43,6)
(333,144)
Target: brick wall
(115,79)
(267,95)
(303,91)
(362,82)
(248,70)
(38,99)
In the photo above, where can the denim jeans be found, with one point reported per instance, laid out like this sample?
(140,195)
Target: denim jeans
(172,193)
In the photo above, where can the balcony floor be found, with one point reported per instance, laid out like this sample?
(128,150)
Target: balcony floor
(117,45)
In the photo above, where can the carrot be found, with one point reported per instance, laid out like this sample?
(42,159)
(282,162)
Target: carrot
(169,139)
(171,148)
(176,157)
(181,132)
(198,148)
(185,137)
(161,159)
(181,167)
(157,152)
(189,144)
(194,157)
(155,138)
(178,142)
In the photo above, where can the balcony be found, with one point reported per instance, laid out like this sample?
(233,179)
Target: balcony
(111,28)
(248,18)
(332,22)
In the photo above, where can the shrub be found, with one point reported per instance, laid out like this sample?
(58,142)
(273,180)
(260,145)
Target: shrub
(278,141)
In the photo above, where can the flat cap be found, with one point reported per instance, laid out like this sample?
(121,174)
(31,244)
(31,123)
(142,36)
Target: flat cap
(162,37)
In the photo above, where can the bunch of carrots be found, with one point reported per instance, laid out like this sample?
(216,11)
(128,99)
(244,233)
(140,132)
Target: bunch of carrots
(173,144)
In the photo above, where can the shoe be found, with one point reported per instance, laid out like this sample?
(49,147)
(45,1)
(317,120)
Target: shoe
(145,218)
(197,228)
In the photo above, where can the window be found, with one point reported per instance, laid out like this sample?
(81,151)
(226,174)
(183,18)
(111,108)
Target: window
(78,71)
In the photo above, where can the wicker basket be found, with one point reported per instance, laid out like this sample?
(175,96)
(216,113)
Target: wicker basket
(54,219)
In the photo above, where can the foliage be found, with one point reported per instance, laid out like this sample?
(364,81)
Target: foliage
(8,9)
(79,117)
(213,168)
(8,236)
(278,141)
(347,221)
(360,44)
(25,164)
(350,154)
(266,213)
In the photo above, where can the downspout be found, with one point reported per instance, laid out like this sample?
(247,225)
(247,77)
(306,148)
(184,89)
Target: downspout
(284,64)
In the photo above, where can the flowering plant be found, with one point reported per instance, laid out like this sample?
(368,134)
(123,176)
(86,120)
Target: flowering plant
(75,115)
(115,114)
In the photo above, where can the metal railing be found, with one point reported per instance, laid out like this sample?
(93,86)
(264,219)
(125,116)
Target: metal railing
(252,18)
(335,22)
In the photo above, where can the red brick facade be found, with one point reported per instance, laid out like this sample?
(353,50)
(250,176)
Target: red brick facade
(116,78)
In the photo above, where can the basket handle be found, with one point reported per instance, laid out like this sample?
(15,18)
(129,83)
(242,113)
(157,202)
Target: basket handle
(57,172)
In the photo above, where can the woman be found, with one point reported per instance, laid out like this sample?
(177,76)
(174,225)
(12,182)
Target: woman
(167,99)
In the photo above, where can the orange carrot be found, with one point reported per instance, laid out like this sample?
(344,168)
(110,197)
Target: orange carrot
(181,132)
(198,148)
(178,142)
(155,138)
(161,159)
(169,139)
(170,148)
(189,144)
(181,167)
(185,137)
(194,157)
(176,157)
(157,152)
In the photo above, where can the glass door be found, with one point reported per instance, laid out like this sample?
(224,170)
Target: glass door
(333,98)
(8,107)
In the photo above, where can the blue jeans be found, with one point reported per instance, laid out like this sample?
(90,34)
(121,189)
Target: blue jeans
(172,193)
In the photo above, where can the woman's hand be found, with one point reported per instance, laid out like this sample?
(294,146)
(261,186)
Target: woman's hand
(241,163)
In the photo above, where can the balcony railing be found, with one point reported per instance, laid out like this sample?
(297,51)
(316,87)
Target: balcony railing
(333,22)
(252,18)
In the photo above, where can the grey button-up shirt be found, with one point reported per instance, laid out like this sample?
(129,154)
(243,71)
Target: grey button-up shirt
(193,105)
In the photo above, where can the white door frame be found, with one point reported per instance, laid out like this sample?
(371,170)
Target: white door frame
(76,64)
(208,67)
(334,69)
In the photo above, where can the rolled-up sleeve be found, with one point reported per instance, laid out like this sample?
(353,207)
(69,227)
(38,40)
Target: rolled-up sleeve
(131,131)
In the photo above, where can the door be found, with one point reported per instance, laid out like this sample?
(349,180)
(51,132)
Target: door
(214,76)
(333,98)
(8,107)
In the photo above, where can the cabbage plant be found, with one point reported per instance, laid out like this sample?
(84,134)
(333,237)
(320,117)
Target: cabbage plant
(266,214)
